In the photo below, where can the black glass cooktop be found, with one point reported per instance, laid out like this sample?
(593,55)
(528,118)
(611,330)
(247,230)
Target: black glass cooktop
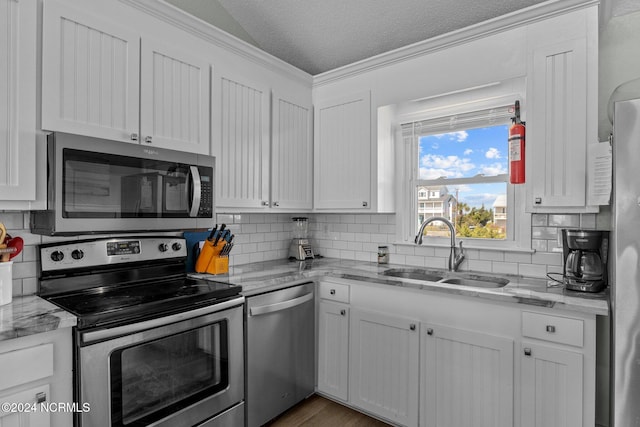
(142,301)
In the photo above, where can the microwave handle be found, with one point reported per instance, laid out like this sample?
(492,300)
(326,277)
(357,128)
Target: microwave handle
(196,189)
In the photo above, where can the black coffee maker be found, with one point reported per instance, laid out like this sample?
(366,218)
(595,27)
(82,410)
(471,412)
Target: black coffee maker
(585,259)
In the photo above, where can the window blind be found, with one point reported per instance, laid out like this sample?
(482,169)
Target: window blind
(456,122)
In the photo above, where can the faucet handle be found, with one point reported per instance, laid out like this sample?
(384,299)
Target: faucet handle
(461,250)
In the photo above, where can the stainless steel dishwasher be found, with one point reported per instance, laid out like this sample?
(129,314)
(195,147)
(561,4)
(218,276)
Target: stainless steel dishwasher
(280,351)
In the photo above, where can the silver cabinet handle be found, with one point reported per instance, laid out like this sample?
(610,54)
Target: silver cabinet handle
(551,329)
(343,312)
(412,326)
(365,204)
(429,331)
(134,136)
(332,291)
(276,204)
(527,351)
(264,309)
(148,139)
(264,203)
(538,200)
(41,397)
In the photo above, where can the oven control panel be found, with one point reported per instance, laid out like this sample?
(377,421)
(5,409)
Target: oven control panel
(97,252)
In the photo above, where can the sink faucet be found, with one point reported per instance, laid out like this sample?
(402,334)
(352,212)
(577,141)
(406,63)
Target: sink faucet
(455,257)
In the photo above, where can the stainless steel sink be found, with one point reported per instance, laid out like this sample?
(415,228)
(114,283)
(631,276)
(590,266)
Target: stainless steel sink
(414,273)
(477,281)
(451,278)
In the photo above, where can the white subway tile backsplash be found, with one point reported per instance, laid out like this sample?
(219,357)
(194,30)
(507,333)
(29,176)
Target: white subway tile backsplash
(568,220)
(539,220)
(266,236)
(532,270)
(505,267)
(416,261)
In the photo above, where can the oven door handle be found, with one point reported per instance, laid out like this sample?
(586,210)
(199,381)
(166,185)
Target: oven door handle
(196,189)
(264,309)
(103,334)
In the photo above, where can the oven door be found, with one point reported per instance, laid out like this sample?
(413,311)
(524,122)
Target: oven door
(179,370)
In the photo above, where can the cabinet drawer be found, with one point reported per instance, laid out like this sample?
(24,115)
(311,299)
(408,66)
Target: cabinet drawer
(563,330)
(334,291)
(26,365)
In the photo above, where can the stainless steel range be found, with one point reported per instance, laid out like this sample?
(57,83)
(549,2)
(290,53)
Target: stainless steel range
(152,346)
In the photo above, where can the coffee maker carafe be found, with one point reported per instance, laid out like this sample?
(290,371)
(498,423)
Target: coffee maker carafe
(585,259)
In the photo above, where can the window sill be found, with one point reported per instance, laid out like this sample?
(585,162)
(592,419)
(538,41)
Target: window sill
(467,245)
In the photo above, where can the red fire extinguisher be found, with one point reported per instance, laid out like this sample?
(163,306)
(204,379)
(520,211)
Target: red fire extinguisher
(516,148)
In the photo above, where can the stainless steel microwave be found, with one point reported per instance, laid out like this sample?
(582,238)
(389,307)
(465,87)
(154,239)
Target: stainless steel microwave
(100,186)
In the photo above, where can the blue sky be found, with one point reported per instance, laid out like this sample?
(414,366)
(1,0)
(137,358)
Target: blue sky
(466,154)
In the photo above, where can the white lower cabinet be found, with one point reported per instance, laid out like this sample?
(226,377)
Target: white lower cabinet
(467,378)
(333,349)
(35,378)
(25,404)
(454,361)
(552,387)
(383,366)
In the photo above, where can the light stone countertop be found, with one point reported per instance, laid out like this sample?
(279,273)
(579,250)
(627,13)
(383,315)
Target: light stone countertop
(262,277)
(29,315)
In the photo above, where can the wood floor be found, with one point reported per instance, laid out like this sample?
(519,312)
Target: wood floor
(317,411)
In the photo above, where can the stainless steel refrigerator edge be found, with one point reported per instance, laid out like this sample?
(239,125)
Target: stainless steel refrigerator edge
(625,263)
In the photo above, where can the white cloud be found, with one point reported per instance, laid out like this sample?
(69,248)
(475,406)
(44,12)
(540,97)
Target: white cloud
(468,151)
(459,136)
(492,153)
(433,166)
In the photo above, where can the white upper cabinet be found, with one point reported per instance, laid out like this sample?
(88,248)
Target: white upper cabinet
(174,98)
(291,153)
(561,110)
(96,82)
(263,145)
(90,77)
(242,146)
(342,153)
(17,100)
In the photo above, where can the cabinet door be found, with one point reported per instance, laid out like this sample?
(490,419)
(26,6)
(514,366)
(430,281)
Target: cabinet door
(17,99)
(551,383)
(467,378)
(291,154)
(242,144)
(174,99)
(383,366)
(90,75)
(557,125)
(342,153)
(31,417)
(333,349)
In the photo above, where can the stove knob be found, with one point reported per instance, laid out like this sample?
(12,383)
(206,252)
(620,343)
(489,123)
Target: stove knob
(163,247)
(77,254)
(57,256)
(176,246)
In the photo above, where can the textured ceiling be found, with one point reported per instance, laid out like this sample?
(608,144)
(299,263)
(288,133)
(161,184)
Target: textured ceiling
(318,36)
(321,35)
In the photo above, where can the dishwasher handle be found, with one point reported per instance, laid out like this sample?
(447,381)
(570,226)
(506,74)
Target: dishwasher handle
(271,308)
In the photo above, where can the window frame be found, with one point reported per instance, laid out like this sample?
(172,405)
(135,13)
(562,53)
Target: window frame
(464,101)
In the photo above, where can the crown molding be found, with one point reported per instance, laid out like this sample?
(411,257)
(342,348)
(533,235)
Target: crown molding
(199,28)
(484,29)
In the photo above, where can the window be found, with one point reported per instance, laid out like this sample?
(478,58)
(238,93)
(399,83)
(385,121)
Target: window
(460,158)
